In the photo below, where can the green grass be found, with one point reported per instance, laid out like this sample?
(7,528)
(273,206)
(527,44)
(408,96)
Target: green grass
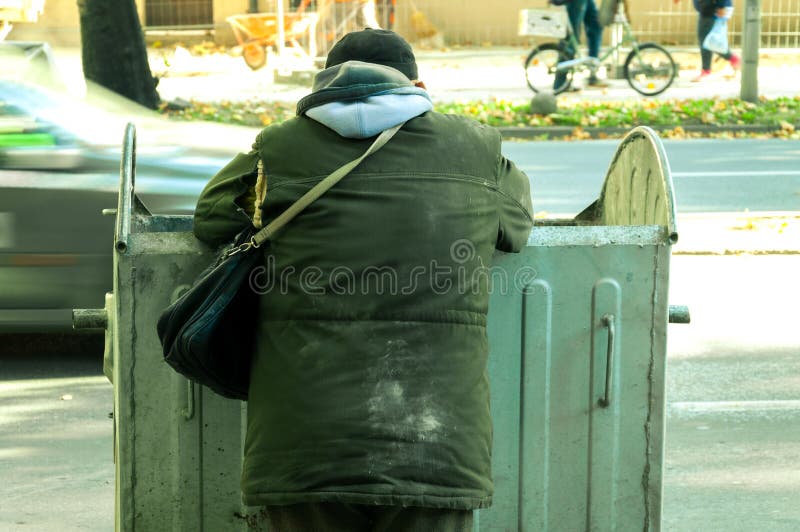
(781,113)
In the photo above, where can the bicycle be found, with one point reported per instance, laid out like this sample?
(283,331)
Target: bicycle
(550,67)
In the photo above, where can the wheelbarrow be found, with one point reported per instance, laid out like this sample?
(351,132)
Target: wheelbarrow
(18,11)
(257,33)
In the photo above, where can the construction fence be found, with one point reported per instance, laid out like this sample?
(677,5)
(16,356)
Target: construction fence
(427,23)
(438,23)
(474,22)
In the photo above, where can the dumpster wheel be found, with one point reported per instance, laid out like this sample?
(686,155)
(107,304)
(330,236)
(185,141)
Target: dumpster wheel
(254,55)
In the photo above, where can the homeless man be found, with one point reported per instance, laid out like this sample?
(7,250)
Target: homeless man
(369,396)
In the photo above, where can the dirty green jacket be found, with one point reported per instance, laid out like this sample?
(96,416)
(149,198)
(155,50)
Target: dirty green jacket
(369,380)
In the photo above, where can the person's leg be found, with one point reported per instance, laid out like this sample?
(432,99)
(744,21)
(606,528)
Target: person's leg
(317,517)
(594,35)
(414,519)
(704,25)
(729,55)
(594,31)
(576,11)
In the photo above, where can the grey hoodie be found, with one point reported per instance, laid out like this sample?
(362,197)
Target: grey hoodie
(359,100)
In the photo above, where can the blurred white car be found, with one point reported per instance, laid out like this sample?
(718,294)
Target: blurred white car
(59,168)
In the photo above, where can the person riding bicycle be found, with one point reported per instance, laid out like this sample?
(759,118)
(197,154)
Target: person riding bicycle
(551,66)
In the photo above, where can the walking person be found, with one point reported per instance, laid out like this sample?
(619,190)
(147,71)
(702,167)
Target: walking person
(369,397)
(707,12)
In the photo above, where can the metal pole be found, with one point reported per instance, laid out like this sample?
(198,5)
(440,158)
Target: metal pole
(751,38)
(617,36)
(281,30)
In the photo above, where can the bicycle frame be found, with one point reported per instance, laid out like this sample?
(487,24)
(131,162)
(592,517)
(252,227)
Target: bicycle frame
(593,62)
(648,67)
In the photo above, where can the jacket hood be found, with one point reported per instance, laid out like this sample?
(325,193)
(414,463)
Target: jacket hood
(359,100)
(361,119)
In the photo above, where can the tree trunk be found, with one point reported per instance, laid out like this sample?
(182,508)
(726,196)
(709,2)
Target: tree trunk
(113,50)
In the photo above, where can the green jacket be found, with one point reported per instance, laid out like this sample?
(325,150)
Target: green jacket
(369,381)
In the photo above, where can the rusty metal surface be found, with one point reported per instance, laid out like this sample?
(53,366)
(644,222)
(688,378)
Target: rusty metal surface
(595,235)
(89,318)
(638,189)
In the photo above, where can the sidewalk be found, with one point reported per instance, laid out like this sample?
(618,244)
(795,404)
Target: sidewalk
(756,233)
(498,73)
(463,74)
(482,73)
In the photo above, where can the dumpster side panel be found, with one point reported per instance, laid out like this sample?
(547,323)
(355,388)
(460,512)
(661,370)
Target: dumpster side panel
(124,428)
(656,423)
(537,407)
(180,443)
(223,421)
(504,367)
(580,464)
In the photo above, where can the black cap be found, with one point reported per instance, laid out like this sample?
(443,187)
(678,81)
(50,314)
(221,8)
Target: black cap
(382,47)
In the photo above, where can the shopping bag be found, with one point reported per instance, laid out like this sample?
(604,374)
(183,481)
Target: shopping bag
(717,38)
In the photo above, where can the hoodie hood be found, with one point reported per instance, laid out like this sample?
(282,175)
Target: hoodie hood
(359,100)
(361,119)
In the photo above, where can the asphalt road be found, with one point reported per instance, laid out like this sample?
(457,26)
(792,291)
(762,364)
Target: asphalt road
(733,425)
(733,387)
(56,436)
(709,175)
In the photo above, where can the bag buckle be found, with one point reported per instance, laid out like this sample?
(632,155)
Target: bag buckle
(242,248)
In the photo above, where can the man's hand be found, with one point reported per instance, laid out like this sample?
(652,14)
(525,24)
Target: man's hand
(720,12)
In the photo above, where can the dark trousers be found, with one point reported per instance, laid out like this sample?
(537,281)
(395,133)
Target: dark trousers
(704,25)
(582,14)
(342,517)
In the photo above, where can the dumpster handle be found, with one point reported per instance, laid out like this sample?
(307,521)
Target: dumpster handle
(679,314)
(188,412)
(127,173)
(608,321)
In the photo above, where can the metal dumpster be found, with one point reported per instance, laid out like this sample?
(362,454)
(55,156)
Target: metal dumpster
(577,358)
(577,332)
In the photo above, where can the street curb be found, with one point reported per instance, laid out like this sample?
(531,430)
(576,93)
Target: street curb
(729,252)
(727,234)
(525,133)
(718,234)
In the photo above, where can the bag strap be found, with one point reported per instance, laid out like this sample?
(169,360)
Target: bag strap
(319,189)
(261,193)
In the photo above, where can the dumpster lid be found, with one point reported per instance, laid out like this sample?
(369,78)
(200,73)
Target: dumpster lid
(638,187)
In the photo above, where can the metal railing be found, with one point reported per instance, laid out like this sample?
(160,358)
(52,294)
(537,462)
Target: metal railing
(178,13)
(676,24)
(338,17)
(482,23)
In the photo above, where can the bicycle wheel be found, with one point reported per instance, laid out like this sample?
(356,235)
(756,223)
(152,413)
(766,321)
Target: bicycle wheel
(650,69)
(540,69)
